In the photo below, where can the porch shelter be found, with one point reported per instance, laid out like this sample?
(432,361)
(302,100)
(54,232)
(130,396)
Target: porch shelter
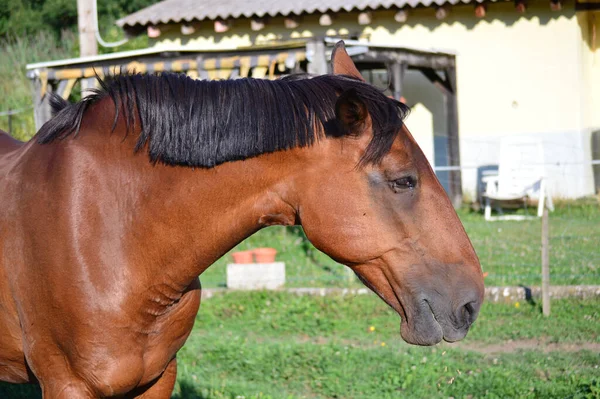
(65,77)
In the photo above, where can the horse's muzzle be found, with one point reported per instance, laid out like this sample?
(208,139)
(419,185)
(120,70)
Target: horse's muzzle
(435,318)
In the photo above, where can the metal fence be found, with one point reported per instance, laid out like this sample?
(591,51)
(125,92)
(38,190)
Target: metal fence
(12,120)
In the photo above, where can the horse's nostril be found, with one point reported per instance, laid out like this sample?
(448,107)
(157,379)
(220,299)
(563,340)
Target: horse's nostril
(469,312)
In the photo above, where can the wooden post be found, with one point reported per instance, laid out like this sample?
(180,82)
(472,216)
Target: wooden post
(456,194)
(545,263)
(9,121)
(85,22)
(315,48)
(398,70)
(41,104)
(87,36)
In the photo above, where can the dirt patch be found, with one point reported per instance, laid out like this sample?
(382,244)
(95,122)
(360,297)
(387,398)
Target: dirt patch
(541,345)
(511,346)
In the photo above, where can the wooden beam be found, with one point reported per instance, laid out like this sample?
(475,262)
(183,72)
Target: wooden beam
(85,22)
(398,70)
(88,46)
(411,59)
(437,80)
(545,262)
(315,49)
(447,86)
(41,103)
(453,138)
(585,6)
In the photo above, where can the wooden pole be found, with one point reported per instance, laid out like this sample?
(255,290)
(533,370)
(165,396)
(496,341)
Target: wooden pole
(41,104)
(87,36)
(9,121)
(85,22)
(398,70)
(456,194)
(545,263)
(318,64)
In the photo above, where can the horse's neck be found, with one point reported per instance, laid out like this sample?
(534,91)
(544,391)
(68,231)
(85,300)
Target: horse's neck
(177,221)
(193,217)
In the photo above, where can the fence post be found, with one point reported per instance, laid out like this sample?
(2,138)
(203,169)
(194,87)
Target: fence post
(9,121)
(545,263)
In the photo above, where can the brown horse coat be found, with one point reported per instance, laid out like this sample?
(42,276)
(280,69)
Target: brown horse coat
(101,249)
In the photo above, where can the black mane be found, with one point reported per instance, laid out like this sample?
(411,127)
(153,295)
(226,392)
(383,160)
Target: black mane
(205,123)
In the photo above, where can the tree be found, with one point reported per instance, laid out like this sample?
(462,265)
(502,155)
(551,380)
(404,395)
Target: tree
(29,17)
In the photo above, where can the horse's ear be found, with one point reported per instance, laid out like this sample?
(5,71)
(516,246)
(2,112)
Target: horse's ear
(342,63)
(351,111)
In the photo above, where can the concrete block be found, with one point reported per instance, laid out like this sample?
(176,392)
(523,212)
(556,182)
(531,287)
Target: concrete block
(255,276)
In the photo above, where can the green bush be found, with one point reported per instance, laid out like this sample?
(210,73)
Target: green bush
(15,87)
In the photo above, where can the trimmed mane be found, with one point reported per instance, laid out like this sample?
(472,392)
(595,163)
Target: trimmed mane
(206,123)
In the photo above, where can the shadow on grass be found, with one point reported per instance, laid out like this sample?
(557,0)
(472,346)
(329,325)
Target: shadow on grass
(20,391)
(30,391)
(188,391)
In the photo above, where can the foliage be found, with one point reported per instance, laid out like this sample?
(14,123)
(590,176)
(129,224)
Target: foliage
(14,84)
(45,30)
(29,17)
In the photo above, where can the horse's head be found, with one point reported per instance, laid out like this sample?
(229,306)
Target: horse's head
(392,223)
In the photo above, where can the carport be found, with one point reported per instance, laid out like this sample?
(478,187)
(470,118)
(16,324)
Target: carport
(66,77)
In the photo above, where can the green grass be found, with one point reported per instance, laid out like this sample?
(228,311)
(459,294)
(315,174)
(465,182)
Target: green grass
(274,345)
(15,87)
(17,52)
(277,345)
(511,251)
(349,317)
(297,370)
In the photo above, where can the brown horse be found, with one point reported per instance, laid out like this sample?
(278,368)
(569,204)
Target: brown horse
(101,248)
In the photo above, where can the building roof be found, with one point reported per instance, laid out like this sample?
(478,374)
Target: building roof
(176,11)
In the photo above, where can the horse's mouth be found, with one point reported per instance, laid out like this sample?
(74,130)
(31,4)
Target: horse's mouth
(421,323)
(412,327)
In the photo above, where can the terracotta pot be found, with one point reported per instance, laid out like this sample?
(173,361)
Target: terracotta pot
(242,257)
(264,255)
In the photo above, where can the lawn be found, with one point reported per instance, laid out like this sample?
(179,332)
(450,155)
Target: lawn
(275,345)
(278,345)
(511,251)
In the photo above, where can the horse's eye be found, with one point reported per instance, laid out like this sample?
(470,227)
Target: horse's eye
(404,183)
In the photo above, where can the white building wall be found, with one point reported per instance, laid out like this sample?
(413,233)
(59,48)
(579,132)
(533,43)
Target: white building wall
(536,73)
